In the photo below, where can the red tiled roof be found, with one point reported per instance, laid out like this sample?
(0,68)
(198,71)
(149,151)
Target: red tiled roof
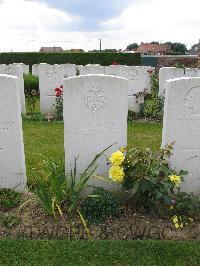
(51,49)
(151,47)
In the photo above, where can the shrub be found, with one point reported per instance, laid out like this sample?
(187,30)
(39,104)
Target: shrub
(153,103)
(73,58)
(147,176)
(31,83)
(101,206)
(9,199)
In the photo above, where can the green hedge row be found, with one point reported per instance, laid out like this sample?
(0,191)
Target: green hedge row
(103,59)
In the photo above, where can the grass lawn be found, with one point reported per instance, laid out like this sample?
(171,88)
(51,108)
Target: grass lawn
(21,252)
(47,139)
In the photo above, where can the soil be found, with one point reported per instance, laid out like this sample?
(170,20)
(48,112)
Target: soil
(30,221)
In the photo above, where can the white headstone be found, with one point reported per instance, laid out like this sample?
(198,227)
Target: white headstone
(17,71)
(139,79)
(166,73)
(134,102)
(91,69)
(95,117)
(12,159)
(191,72)
(50,77)
(114,70)
(69,70)
(181,124)
(25,67)
(35,70)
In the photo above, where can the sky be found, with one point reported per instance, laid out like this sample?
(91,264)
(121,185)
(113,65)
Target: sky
(26,25)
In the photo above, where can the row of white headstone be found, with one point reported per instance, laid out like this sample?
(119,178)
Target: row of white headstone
(95,116)
(51,76)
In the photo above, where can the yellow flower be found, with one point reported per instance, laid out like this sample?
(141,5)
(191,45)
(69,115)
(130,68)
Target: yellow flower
(181,225)
(175,219)
(191,220)
(116,173)
(176,225)
(171,207)
(117,158)
(176,179)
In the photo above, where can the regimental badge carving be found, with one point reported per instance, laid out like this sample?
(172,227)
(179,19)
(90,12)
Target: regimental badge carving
(95,100)
(51,72)
(192,101)
(9,71)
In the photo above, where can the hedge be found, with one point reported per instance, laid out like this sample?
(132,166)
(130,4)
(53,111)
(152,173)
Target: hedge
(103,59)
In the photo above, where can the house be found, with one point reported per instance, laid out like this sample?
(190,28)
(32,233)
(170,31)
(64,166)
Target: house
(195,49)
(50,49)
(153,49)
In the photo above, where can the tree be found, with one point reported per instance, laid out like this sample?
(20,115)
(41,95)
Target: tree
(132,46)
(154,42)
(177,47)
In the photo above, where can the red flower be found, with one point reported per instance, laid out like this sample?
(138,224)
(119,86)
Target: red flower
(58,94)
(150,71)
(59,91)
(114,63)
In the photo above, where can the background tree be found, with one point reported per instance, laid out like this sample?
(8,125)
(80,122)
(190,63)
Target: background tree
(132,46)
(154,42)
(177,47)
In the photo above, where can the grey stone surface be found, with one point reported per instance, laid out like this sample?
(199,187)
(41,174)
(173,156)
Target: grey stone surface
(12,159)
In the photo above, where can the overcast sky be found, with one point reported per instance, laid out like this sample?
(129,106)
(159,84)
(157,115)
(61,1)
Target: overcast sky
(26,25)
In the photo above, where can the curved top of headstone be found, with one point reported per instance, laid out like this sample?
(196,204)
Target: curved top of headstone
(96,75)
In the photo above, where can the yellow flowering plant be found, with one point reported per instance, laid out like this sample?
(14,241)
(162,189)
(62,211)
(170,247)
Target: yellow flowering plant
(181,221)
(186,206)
(149,178)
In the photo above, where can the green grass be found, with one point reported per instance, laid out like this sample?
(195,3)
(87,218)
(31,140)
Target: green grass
(21,252)
(47,139)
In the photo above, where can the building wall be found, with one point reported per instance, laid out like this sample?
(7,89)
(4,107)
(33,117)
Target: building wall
(170,60)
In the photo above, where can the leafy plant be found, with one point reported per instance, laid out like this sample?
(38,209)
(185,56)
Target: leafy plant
(153,104)
(31,83)
(50,186)
(53,187)
(149,178)
(9,199)
(78,184)
(100,206)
